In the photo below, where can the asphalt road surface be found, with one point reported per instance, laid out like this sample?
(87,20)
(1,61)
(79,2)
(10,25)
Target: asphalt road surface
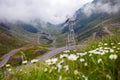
(41,58)
(54,53)
(7,57)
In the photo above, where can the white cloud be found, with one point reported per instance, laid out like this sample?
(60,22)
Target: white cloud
(54,11)
(99,7)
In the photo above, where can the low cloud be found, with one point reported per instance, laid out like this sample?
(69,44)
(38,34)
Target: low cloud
(53,11)
(102,7)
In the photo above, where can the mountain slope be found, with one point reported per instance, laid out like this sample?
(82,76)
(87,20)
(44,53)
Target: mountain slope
(14,35)
(8,41)
(92,27)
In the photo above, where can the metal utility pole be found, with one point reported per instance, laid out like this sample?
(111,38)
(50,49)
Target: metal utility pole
(71,37)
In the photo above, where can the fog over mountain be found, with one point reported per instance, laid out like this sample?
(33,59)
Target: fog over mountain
(53,11)
(102,6)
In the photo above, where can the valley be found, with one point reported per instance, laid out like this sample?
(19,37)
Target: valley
(40,50)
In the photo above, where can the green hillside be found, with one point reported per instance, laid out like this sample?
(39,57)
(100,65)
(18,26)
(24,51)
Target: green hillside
(96,25)
(96,58)
(98,61)
(8,41)
(100,29)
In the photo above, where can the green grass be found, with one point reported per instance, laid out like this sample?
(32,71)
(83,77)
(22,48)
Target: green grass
(33,52)
(96,66)
(27,54)
(60,41)
(8,43)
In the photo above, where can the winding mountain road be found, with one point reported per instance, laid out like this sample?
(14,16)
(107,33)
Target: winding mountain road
(7,57)
(41,58)
(55,52)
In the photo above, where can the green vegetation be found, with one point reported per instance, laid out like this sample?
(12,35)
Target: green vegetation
(8,42)
(61,40)
(27,55)
(112,24)
(98,61)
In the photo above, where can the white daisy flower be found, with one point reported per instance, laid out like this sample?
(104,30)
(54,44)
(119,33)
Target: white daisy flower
(72,57)
(46,69)
(60,77)
(53,67)
(118,48)
(108,76)
(63,56)
(111,50)
(112,43)
(21,70)
(106,51)
(105,44)
(119,43)
(7,65)
(85,64)
(81,54)
(99,60)
(51,61)
(113,56)
(102,53)
(24,62)
(106,48)
(59,67)
(114,47)
(34,61)
(86,78)
(76,72)
(9,69)
(66,68)
(90,54)
(82,60)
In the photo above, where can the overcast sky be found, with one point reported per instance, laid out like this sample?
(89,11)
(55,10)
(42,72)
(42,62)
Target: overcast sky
(54,11)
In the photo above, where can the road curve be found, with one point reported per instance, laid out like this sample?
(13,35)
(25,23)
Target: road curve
(7,57)
(54,52)
(41,58)
(50,55)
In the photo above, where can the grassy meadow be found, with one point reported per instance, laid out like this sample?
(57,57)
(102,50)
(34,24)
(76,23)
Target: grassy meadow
(98,61)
